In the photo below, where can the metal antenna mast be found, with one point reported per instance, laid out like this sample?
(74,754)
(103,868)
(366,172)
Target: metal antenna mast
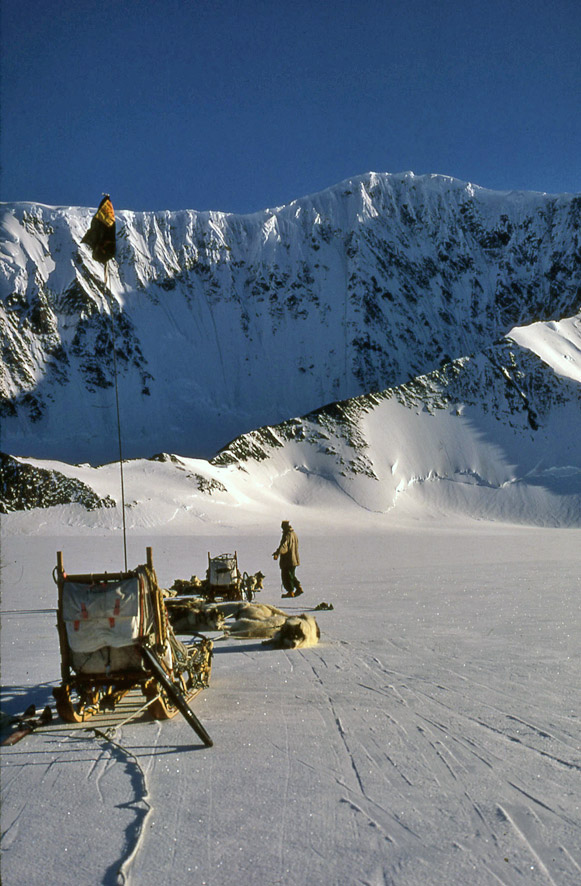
(118,421)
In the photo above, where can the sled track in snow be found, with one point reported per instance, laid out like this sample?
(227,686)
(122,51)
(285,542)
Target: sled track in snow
(436,740)
(61,743)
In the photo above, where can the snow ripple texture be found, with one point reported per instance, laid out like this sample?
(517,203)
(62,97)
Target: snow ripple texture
(432,736)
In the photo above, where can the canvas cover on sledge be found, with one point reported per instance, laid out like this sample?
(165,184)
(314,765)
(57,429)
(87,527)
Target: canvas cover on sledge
(112,614)
(223,570)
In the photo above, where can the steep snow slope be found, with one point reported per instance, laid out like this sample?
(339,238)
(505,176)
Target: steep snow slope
(493,436)
(557,343)
(224,323)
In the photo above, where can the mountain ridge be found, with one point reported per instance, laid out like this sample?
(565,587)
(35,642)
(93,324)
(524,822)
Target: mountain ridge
(223,323)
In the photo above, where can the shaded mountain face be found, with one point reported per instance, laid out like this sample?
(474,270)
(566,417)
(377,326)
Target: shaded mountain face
(494,436)
(222,323)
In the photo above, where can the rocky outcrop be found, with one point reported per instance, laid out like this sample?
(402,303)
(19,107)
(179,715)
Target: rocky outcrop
(24,487)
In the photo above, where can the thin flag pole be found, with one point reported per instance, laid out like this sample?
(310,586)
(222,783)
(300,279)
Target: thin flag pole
(101,239)
(118,423)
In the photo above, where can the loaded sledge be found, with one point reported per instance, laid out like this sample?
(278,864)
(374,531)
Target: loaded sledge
(223,581)
(115,635)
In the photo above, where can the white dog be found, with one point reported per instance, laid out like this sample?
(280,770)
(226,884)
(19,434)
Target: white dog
(281,630)
(297,631)
(248,610)
(191,616)
(254,628)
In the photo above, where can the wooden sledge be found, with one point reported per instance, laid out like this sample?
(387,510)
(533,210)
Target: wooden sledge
(224,581)
(115,635)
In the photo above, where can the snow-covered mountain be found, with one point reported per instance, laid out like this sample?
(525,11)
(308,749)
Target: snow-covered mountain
(225,323)
(494,436)
(427,335)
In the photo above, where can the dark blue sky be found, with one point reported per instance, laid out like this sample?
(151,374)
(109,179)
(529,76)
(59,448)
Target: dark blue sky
(239,105)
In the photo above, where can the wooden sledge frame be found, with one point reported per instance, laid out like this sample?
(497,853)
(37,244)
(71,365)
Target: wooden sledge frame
(167,693)
(232,591)
(239,589)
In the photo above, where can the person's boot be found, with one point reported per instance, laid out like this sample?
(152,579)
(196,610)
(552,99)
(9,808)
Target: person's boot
(298,591)
(288,594)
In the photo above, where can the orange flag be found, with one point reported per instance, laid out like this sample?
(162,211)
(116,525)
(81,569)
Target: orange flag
(101,235)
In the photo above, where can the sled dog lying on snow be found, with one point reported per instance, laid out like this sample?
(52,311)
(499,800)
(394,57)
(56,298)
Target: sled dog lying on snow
(254,628)
(250,621)
(297,630)
(281,630)
(239,609)
(190,616)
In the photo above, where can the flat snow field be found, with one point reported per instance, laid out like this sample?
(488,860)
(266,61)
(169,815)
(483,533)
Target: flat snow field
(432,738)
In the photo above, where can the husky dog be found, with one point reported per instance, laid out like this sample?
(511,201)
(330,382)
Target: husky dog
(281,630)
(297,631)
(191,616)
(248,610)
(254,628)
(252,619)
(183,587)
(255,582)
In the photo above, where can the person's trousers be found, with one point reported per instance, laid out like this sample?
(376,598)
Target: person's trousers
(289,580)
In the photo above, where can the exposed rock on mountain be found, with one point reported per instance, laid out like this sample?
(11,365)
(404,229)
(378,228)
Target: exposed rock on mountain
(24,487)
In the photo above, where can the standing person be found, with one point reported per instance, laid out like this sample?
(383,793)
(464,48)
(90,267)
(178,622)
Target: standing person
(288,551)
